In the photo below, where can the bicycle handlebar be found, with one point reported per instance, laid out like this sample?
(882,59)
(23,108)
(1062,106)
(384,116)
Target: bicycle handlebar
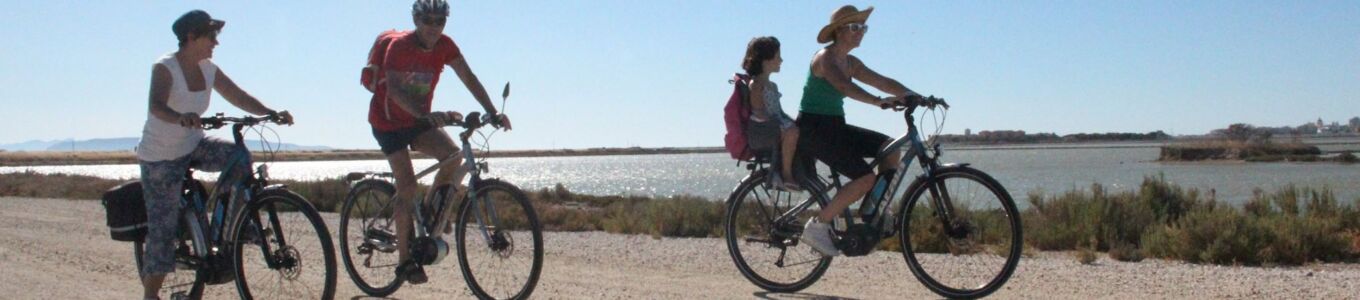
(220,119)
(473,120)
(916,101)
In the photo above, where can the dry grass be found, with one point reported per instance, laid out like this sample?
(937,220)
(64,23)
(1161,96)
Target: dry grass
(1085,256)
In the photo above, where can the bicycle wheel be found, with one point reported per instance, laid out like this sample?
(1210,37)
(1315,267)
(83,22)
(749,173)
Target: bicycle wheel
(368,232)
(282,249)
(185,282)
(767,252)
(500,242)
(973,255)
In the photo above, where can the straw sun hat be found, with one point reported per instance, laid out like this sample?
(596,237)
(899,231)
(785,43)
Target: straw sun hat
(844,15)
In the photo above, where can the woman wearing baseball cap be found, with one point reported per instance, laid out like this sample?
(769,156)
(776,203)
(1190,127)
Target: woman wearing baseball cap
(821,118)
(172,139)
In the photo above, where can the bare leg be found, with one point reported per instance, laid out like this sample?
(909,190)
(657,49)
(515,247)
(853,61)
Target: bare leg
(857,188)
(790,145)
(406,190)
(151,286)
(438,144)
(850,193)
(891,162)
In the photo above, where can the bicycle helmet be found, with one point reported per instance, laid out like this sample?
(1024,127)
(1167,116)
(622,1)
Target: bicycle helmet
(425,7)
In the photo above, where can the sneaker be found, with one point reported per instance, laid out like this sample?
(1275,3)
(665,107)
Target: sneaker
(412,272)
(818,235)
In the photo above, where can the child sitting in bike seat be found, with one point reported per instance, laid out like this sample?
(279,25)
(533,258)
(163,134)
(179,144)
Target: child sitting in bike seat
(768,118)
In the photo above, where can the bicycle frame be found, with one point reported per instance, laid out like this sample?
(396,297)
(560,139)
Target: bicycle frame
(915,150)
(211,218)
(444,215)
(440,219)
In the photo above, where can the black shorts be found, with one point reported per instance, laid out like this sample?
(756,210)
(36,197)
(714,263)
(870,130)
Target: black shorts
(840,146)
(397,140)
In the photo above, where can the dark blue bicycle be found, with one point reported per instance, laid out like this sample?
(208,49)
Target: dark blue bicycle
(959,229)
(270,241)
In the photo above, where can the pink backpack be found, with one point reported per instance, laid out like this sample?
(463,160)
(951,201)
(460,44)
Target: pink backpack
(736,114)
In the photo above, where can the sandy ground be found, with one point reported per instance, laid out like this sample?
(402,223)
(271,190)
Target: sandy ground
(59,249)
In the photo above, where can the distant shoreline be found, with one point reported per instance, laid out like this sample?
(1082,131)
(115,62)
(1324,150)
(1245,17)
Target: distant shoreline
(67,158)
(64,158)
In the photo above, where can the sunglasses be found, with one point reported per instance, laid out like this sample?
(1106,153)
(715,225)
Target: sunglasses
(857,27)
(434,21)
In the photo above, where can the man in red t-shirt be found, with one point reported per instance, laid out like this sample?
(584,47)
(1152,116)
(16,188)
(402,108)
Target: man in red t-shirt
(411,65)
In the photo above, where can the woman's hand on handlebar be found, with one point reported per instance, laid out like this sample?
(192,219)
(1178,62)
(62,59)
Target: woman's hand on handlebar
(933,102)
(903,102)
(281,117)
(191,120)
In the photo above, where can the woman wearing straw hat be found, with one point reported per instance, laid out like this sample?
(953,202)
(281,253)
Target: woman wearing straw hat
(821,117)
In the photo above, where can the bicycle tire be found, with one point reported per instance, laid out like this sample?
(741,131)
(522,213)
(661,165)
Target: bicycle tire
(291,248)
(735,203)
(502,243)
(359,202)
(1010,246)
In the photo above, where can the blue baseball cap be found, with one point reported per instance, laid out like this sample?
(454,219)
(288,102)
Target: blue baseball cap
(195,22)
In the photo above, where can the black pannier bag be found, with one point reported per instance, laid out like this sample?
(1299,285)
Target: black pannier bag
(126,211)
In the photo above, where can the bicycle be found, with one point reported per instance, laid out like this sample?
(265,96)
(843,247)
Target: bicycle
(216,236)
(953,223)
(497,221)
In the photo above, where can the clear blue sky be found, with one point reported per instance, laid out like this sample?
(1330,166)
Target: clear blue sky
(653,73)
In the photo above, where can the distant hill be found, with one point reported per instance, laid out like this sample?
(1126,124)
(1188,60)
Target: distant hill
(127,143)
(34,145)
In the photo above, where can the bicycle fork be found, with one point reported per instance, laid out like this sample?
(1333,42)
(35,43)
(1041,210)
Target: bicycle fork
(488,224)
(944,210)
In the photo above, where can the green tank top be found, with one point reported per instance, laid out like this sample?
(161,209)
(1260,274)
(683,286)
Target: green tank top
(819,97)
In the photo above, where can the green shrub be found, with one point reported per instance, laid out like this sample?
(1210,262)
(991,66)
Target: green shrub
(1347,157)
(1271,229)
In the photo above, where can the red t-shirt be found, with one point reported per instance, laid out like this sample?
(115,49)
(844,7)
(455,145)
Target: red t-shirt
(419,74)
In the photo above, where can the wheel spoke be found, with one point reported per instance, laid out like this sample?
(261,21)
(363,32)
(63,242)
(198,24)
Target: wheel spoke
(970,250)
(767,255)
(298,247)
(499,242)
(369,209)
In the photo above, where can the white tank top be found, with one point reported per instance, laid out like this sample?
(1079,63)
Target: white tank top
(166,141)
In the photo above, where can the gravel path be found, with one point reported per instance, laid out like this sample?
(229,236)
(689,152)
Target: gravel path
(59,249)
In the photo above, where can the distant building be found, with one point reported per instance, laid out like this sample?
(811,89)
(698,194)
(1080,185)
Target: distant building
(1002,134)
(969,131)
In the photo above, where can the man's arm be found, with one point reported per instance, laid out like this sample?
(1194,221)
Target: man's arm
(473,85)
